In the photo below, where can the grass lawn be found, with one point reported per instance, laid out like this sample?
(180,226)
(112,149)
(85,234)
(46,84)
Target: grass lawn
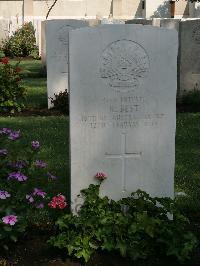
(30,68)
(187,172)
(34,80)
(36,92)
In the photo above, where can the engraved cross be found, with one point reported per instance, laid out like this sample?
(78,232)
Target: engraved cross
(123,155)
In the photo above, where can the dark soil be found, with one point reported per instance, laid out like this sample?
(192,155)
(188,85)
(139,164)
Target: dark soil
(33,250)
(35,112)
(180,108)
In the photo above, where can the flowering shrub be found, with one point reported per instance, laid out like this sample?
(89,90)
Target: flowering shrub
(21,43)
(138,227)
(11,91)
(61,102)
(23,182)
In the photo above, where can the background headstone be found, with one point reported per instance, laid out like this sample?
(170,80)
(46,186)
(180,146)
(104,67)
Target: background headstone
(57,37)
(142,21)
(189,55)
(170,23)
(123,109)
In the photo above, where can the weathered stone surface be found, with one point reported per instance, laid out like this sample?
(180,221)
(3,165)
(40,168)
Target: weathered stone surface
(142,21)
(170,23)
(189,55)
(57,35)
(123,109)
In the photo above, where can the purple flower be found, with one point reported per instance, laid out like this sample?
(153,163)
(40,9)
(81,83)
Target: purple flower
(18,176)
(30,198)
(40,164)
(5,131)
(39,192)
(35,145)
(14,135)
(4,194)
(50,176)
(3,152)
(40,205)
(19,164)
(9,219)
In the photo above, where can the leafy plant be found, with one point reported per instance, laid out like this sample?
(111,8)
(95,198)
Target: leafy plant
(61,102)
(11,91)
(23,195)
(21,43)
(138,227)
(35,53)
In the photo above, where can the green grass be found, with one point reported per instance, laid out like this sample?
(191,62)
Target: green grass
(31,68)
(52,133)
(34,80)
(187,172)
(36,92)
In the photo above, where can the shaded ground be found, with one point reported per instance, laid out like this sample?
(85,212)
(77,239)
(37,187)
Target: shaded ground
(33,250)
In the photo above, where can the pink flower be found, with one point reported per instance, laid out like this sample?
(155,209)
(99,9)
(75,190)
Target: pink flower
(101,176)
(58,201)
(9,219)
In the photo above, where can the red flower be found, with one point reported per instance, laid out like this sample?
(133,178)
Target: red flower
(5,60)
(58,202)
(18,69)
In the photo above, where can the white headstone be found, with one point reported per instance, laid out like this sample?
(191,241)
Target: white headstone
(189,55)
(123,109)
(57,35)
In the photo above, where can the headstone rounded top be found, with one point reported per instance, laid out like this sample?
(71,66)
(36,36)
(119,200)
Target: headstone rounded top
(124,63)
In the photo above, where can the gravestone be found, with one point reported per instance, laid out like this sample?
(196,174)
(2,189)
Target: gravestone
(43,44)
(123,109)
(112,21)
(4,29)
(189,56)
(170,23)
(57,35)
(142,21)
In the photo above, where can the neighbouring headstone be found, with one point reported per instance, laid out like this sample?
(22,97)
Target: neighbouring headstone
(43,44)
(189,56)
(142,21)
(4,29)
(57,35)
(170,23)
(123,109)
(112,21)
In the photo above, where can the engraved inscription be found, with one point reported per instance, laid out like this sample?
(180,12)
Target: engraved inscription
(124,63)
(196,34)
(63,38)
